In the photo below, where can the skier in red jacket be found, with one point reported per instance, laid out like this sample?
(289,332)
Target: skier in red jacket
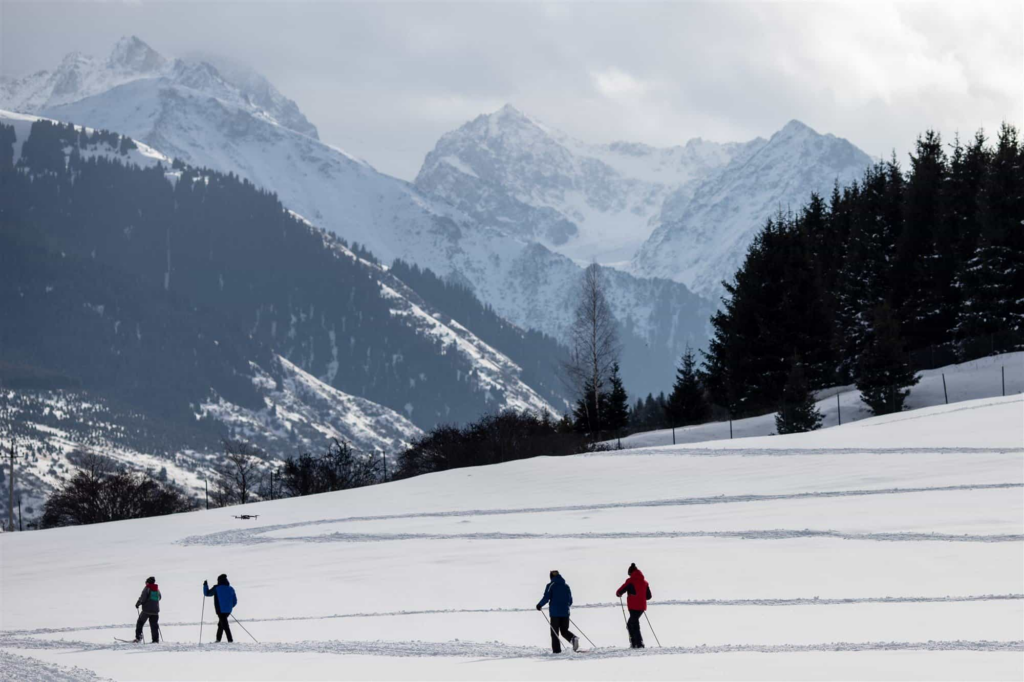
(639,592)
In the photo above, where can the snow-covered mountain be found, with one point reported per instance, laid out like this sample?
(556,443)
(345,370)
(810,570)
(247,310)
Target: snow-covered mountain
(684,213)
(80,76)
(703,232)
(189,110)
(585,201)
(416,346)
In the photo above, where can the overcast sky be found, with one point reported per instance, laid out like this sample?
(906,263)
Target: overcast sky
(384,80)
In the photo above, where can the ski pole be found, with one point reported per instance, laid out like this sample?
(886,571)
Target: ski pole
(201,617)
(257,641)
(652,629)
(582,633)
(553,630)
(626,620)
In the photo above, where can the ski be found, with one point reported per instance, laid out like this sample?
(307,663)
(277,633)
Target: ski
(126,641)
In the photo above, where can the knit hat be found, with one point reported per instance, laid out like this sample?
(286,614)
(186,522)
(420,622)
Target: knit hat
(150,580)
(554,572)
(632,567)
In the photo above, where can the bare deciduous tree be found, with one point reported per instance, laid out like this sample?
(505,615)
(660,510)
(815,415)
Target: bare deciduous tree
(593,341)
(243,470)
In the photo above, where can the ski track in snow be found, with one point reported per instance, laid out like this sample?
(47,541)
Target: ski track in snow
(14,668)
(775,534)
(251,536)
(675,450)
(797,601)
(496,650)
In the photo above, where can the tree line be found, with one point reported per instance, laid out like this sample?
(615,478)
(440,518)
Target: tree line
(905,259)
(103,491)
(843,291)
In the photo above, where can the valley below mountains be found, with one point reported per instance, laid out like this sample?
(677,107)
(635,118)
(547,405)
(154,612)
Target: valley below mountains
(239,268)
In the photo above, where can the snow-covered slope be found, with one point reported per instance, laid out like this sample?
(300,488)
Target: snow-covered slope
(586,201)
(141,155)
(983,378)
(889,548)
(191,112)
(56,430)
(703,232)
(493,376)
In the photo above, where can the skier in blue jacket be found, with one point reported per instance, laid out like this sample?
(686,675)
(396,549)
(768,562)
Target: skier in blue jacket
(224,600)
(558,594)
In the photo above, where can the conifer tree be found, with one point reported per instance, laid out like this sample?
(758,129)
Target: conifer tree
(588,416)
(993,277)
(923,281)
(884,377)
(798,412)
(686,404)
(616,414)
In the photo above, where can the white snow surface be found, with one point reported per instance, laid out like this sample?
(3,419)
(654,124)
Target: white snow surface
(982,378)
(886,549)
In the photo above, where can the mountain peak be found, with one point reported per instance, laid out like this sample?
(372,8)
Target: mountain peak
(509,115)
(795,127)
(133,54)
(509,111)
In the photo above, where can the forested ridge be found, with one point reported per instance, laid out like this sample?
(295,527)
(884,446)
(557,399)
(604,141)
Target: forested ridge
(222,248)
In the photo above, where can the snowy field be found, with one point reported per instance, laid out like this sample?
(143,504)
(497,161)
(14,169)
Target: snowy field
(889,548)
(981,378)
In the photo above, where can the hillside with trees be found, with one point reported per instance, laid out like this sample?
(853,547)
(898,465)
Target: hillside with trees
(907,269)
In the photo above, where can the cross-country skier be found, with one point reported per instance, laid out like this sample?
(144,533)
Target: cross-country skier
(639,592)
(224,600)
(149,600)
(560,597)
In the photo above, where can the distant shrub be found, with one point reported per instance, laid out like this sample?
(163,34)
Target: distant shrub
(96,496)
(340,468)
(502,437)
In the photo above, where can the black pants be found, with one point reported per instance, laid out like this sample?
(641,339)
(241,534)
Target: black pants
(560,624)
(223,627)
(154,629)
(636,639)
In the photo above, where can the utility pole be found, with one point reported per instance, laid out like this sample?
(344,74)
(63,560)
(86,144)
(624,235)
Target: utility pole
(10,498)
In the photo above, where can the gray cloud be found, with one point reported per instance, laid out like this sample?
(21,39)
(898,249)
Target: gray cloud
(385,80)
